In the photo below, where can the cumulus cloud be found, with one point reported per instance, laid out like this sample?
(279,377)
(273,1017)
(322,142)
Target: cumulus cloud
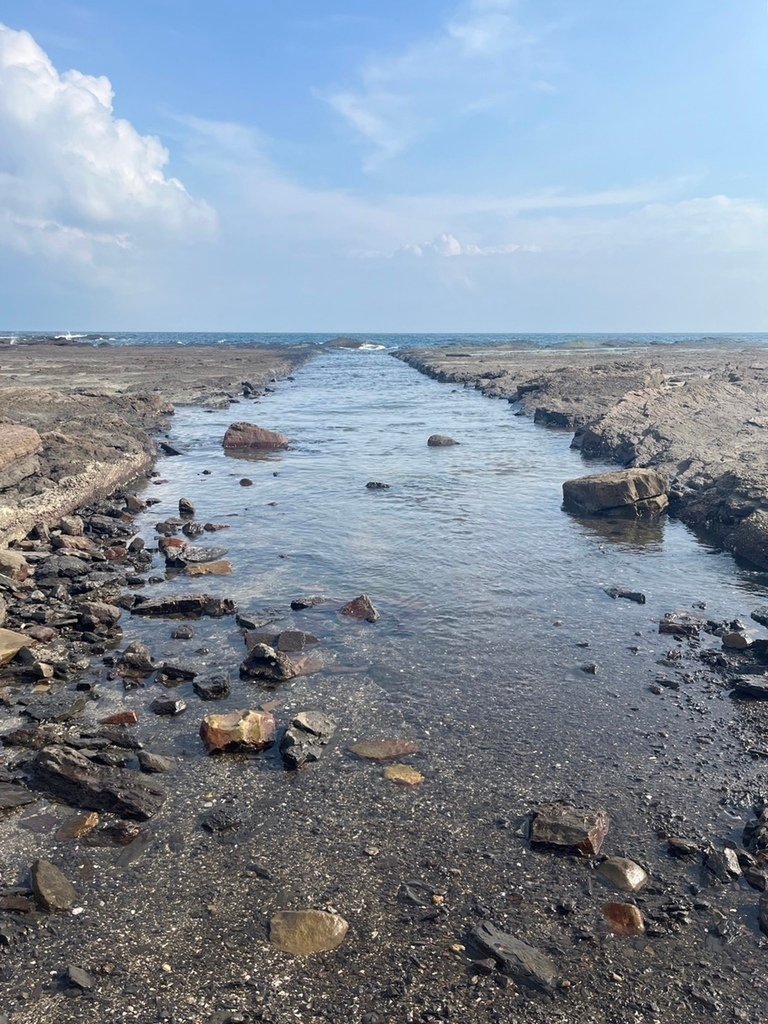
(74,178)
(475,60)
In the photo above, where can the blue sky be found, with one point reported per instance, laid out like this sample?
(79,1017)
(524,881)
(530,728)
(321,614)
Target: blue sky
(474,165)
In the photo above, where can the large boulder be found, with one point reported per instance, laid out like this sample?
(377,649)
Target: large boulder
(249,435)
(633,491)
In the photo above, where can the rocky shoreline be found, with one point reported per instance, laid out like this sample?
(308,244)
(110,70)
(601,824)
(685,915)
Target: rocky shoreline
(699,416)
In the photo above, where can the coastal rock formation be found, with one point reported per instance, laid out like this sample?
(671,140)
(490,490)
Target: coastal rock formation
(633,491)
(249,435)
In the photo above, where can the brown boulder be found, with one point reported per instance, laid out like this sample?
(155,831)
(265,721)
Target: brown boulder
(249,435)
(642,491)
(254,730)
(577,829)
(361,608)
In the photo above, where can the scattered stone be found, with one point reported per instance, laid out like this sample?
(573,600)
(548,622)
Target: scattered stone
(13,565)
(136,660)
(302,603)
(677,847)
(186,606)
(72,526)
(762,915)
(681,624)
(186,508)
(56,707)
(377,485)
(77,826)
(10,644)
(253,730)
(80,978)
(13,796)
(361,608)
(215,688)
(221,820)
(723,864)
(168,706)
(527,965)
(265,663)
(220,568)
(53,891)
(624,919)
(761,615)
(736,640)
(755,687)
(121,718)
(637,491)
(304,740)
(403,774)
(627,595)
(183,633)
(70,775)
(303,932)
(153,764)
(168,449)
(249,435)
(576,829)
(246,482)
(623,874)
(383,750)
(440,441)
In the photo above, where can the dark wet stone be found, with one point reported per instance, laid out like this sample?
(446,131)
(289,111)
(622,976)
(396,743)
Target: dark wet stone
(214,688)
(302,603)
(723,864)
(167,706)
(186,508)
(186,606)
(577,829)
(527,965)
(12,796)
(361,607)
(293,641)
(56,707)
(136,659)
(755,687)
(154,763)
(80,978)
(761,615)
(304,740)
(440,441)
(183,633)
(69,775)
(53,890)
(193,529)
(377,485)
(168,449)
(179,670)
(627,595)
(762,915)
(65,566)
(265,663)
(677,847)
(246,482)
(681,624)
(221,819)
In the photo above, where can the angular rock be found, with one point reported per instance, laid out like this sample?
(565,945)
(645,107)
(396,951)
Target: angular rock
(440,441)
(302,603)
(304,740)
(72,526)
(56,707)
(98,613)
(762,915)
(361,608)
(12,796)
(167,706)
(736,640)
(624,919)
(527,965)
(70,775)
(755,687)
(121,718)
(761,615)
(10,644)
(403,775)
(215,688)
(186,606)
(153,764)
(186,508)
(254,730)
(644,490)
(13,565)
(624,874)
(383,750)
(53,890)
(303,932)
(136,660)
(249,435)
(681,624)
(265,663)
(220,568)
(577,829)
(77,826)
(723,864)
(80,979)
(627,595)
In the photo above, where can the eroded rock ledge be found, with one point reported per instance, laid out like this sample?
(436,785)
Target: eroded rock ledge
(699,416)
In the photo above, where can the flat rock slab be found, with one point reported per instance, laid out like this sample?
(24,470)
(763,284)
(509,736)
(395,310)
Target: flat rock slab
(403,775)
(603,492)
(303,932)
(526,964)
(755,687)
(576,829)
(383,750)
(73,778)
(186,606)
(53,890)
(14,796)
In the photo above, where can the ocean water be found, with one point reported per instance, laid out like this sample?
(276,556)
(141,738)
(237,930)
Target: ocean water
(399,341)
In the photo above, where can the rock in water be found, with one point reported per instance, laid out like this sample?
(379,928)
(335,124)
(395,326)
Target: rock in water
(762,914)
(752,686)
(254,730)
(153,764)
(249,435)
(623,874)
(302,932)
(221,568)
(576,829)
(53,891)
(304,740)
(361,608)
(526,964)
(215,688)
(186,606)
(681,624)
(377,485)
(383,750)
(624,919)
(440,441)
(74,778)
(638,491)
(403,775)
(186,508)
(264,662)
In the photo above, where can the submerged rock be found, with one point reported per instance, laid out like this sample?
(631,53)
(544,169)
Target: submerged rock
(577,829)
(681,624)
(627,595)
(220,568)
(253,730)
(186,508)
(639,491)
(384,750)
(527,965)
(361,607)
(53,890)
(153,764)
(304,740)
(403,775)
(186,606)
(303,932)
(249,435)
(440,441)
(215,688)
(264,662)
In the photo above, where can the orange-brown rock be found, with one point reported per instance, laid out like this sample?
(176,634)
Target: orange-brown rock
(624,919)
(221,568)
(384,750)
(254,730)
(249,435)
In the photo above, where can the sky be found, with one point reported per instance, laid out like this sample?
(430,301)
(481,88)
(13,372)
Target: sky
(384,165)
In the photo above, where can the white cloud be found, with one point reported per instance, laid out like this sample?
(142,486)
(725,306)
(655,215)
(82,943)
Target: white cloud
(74,178)
(478,59)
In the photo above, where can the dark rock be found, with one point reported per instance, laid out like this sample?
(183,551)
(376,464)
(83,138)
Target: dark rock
(221,820)
(12,796)
(246,482)
(167,706)
(249,435)
(762,915)
(80,978)
(377,485)
(215,688)
(755,687)
(677,847)
(577,829)
(440,441)
(72,777)
(361,608)
(264,662)
(761,615)
(627,595)
(179,670)
(723,864)
(640,491)
(186,606)
(193,529)
(527,965)
(53,891)
(304,740)
(186,508)
(302,603)
(681,624)
(56,707)
(183,633)
(153,763)
(169,449)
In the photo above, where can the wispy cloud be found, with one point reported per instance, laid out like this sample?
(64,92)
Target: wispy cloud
(477,59)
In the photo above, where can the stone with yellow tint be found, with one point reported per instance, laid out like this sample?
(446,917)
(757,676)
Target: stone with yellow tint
(624,919)
(238,730)
(11,643)
(302,932)
(77,826)
(222,568)
(384,750)
(403,774)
